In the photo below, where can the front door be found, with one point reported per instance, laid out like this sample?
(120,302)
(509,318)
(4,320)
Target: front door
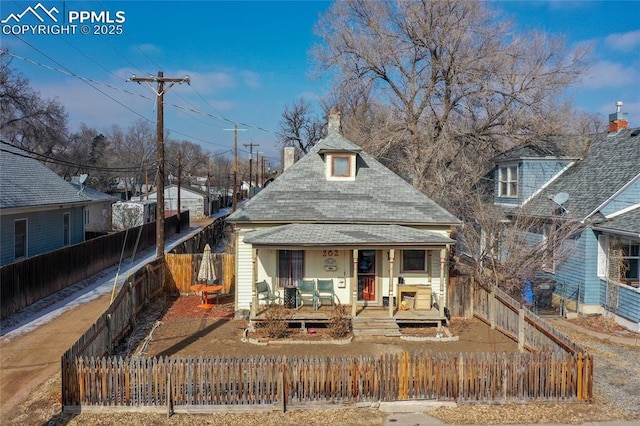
(366,275)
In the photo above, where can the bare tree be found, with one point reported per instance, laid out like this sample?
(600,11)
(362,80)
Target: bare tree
(27,120)
(299,128)
(509,250)
(458,84)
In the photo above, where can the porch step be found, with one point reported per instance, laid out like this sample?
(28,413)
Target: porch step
(375,327)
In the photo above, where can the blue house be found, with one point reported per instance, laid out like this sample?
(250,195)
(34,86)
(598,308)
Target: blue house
(595,181)
(39,211)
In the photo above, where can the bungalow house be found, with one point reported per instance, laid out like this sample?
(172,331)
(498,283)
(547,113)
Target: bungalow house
(597,183)
(39,211)
(339,216)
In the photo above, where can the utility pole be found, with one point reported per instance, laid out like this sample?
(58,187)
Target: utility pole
(160,79)
(250,145)
(179,184)
(235,165)
(257,170)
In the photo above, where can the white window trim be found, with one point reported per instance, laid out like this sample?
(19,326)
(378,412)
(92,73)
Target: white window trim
(509,179)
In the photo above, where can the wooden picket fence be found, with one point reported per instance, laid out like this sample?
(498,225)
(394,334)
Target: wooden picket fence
(182,383)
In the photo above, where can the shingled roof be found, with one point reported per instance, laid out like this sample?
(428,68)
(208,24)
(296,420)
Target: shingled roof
(25,182)
(612,161)
(302,194)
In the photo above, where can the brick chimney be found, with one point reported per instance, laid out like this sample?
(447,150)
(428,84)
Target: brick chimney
(334,122)
(618,120)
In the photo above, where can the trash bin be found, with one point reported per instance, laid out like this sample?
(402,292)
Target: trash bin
(544,294)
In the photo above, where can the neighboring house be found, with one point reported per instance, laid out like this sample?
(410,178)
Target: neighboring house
(339,214)
(129,214)
(197,202)
(600,188)
(97,215)
(39,211)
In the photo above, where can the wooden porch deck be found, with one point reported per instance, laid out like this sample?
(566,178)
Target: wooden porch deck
(306,314)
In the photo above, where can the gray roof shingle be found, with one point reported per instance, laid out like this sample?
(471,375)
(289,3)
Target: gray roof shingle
(376,196)
(299,234)
(626,223)
(612,161)
(25,182)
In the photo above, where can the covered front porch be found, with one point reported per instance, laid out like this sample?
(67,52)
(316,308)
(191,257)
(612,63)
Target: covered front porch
(386,271)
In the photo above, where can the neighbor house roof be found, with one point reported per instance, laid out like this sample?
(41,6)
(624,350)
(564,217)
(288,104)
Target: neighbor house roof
(300,234)
(626,224)
(549,146)
(27,183)
(90,193)
(611,162)
(376,195)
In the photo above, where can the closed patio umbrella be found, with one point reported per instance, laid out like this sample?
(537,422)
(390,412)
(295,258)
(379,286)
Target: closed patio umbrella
(207,274)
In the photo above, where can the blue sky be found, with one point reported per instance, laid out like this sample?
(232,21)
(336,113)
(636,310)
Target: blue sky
(247,60)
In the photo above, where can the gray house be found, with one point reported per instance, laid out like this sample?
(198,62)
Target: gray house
(39,211)
(595,181)
(338,216)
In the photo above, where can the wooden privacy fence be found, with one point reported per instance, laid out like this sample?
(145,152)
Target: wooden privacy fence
(183,270)
(28,281)
(120,317)
(216,381)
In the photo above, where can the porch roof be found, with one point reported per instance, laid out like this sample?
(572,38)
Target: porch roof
(309,235)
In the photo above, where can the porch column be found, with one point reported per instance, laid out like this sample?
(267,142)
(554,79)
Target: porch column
(354,285)
(254,280)
(392,290)
(444,285)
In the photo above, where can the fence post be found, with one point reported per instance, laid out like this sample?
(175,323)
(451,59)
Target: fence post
(109,333)
(521,324)
(460,379)
(132,305)
(492,308)
(472,292)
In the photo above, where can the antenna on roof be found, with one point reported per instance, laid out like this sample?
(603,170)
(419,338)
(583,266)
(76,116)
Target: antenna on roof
(560,198)
(82,179)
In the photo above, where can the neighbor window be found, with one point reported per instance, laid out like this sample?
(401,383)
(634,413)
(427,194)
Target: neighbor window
(630,257)
(290,267)
(66,229)
(508,181)
(20,238)
(340,166)
(413,260)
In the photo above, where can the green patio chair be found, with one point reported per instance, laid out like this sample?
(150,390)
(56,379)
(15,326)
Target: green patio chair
(325,290)
(308,294)
(265,293)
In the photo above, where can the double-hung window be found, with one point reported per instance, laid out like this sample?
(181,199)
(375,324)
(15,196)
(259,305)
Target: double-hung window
(290,267)
(414,261)
(20,238)
(508,181)
(630,257)
(340,166)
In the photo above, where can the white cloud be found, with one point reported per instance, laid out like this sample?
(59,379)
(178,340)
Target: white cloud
(607,74)
(624,42)
(251,79)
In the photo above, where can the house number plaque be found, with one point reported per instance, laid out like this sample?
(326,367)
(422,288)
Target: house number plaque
(330,264)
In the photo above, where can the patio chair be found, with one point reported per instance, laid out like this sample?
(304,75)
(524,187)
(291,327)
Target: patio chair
(265,293)
(325,290)
(308,294)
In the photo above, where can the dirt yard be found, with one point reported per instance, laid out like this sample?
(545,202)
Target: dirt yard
(188,330)
(181,328)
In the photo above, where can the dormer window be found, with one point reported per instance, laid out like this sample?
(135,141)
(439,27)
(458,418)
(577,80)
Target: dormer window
(508,181)
(340,166)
